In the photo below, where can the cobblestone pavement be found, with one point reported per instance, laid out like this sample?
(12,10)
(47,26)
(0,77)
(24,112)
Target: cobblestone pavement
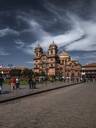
(24,89)
(72,107)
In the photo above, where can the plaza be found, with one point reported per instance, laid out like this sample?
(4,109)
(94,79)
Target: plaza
(71,107)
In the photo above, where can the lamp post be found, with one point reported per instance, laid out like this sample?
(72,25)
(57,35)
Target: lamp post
(2,72)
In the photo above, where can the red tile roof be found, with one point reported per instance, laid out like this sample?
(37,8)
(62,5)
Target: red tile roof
(90,65)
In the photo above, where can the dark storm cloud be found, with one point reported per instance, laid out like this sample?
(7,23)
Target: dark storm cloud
(24,23)
(80,7)
(44,12)
(20,4)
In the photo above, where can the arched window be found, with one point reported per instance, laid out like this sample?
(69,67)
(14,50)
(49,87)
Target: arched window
(51,51)
(67,74)
(36,54)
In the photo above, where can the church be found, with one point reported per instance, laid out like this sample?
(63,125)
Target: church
(55,64)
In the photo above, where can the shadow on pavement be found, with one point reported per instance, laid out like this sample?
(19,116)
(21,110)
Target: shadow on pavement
(5,92)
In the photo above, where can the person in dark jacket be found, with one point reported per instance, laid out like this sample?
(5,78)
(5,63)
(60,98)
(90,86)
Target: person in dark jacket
(30,82)
(1,83)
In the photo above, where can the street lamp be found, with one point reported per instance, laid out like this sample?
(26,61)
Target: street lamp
(2,72)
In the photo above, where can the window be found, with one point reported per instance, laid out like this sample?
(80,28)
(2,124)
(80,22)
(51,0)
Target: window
(36,54)
(36,66)
(51,52)
(51,65)
(62,61)
(67,74)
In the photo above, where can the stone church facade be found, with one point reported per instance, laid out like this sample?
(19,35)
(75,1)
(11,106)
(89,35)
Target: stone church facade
(54,64)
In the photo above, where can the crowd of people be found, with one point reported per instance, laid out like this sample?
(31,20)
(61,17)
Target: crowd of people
(1,83)
(31,81)
(15,83)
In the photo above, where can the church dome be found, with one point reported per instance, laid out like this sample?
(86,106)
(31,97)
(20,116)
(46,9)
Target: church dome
(64,54)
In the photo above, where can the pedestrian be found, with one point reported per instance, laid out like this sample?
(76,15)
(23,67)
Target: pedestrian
(17,82)
(1,83)
(30,82)
(34,83)
(13,83)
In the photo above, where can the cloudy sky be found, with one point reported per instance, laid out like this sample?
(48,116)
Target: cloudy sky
(71,24)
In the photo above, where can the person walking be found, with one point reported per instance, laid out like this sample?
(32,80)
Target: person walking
(13,83)
(34,83)
(30,82)
(1,83)
(17,82)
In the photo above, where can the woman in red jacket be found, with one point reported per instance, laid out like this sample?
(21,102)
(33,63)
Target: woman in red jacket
(13,83)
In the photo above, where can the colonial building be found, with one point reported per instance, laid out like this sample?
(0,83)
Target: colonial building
(54,64)
(89,70)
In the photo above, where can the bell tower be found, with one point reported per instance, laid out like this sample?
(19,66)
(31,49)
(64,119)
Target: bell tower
(37,60)
(52,51)
(38,51)
(52,59)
